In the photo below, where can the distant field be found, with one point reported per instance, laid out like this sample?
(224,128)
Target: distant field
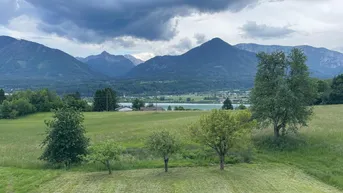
(311,162)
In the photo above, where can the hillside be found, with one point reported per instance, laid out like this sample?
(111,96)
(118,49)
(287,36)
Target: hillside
(21,59)
(214,60)
(110,65)
(312,162)
(323,63)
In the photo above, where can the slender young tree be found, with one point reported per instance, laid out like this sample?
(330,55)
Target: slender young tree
(163,144)
(223,130)
(105,153)
(283,91)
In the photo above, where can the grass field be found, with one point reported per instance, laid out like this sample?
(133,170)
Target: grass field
(311,162)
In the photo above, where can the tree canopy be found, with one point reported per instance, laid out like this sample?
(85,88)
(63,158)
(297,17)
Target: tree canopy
(105,100)
(283,91)
(65,141)
(227,105)
(223,130)
(336,95)
(163,144)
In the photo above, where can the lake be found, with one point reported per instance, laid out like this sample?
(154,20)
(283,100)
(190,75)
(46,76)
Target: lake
(204,107)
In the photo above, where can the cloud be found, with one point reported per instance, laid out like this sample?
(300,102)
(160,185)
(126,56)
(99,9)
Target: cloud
(184,45)
(100,20)
(200,38)
(262,31)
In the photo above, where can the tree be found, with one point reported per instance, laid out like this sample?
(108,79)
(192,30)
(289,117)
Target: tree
(223,130)
(137,104)
(336,95)
(163,144)
(169,108)
(283,91)
(65,141)
(241,107)
(188,99)
(104,153)
(227,105)
(75,101)
(323,91)
(2,96)
(105,100)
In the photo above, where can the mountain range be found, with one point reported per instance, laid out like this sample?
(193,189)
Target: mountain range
(110,65)
(214,60)
(214,64)
(21,59)
(322,63)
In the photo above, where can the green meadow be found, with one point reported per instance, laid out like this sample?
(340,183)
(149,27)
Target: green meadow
(309,161)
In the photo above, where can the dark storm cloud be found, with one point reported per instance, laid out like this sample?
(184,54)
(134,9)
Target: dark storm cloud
(98,20)
(253,30)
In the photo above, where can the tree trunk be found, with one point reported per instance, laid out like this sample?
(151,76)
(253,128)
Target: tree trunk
(276,132)
(166,159)
(222,162)
(108,167)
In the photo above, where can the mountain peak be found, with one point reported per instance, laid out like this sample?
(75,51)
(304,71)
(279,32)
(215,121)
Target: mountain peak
(104,53)
(217,41)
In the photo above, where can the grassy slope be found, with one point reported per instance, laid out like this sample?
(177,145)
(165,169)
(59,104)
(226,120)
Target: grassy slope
(321,156)
(320,152)
(238,178)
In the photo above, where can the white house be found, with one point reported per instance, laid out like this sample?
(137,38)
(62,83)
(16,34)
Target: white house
(125,109)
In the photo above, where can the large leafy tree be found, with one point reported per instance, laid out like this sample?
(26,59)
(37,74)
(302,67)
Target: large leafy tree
(336,95)
(223,130)
(105,100)
(283,91)
(163,144)
(65,141)
(227,105)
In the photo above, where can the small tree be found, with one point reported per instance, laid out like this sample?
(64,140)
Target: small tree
(104,153)
(65,141)
(283,91)
(241,107)
(138,104)
(170,108)
(163,144)
(223,130)
(227,105)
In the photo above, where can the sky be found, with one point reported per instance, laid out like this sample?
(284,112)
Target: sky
(147,28)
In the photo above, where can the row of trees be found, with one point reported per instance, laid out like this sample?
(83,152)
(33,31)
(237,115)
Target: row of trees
(27,102)
(65,141)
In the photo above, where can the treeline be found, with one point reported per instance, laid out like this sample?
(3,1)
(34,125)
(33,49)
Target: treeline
(329,91)
(27,102)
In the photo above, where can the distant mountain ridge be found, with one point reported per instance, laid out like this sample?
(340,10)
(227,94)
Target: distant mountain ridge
(110,65)
(214,60)
(322,62)
(134,60)
(21,59)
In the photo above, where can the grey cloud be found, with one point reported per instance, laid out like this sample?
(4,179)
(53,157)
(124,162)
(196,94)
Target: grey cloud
(200,38)
(253,30)
(100,20)
(13,8)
